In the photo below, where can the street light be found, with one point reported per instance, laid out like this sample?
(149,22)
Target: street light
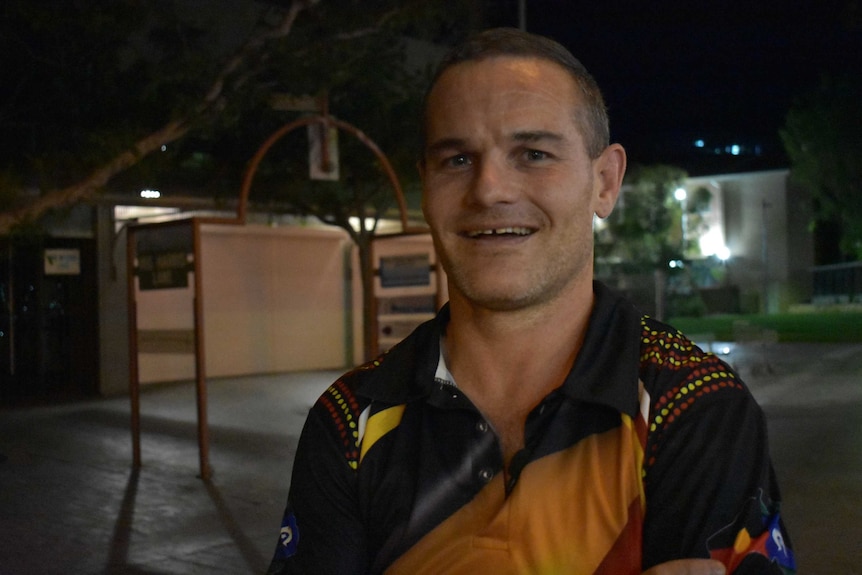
(681,194)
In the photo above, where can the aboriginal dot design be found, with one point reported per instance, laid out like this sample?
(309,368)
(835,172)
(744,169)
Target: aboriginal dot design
(700,375)
(342,406)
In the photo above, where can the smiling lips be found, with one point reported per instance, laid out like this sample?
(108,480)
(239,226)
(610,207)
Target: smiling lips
(511,231)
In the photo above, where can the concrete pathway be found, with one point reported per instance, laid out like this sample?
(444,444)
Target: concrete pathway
(70,503)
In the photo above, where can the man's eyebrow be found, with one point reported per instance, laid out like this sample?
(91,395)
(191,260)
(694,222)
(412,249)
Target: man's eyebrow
(536,136)
(524,136)
(445,144)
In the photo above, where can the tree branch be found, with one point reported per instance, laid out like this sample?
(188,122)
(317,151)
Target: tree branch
(168,133)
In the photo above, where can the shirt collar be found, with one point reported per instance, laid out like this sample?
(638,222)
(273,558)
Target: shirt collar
(607,367)
(605,371)
(443,375)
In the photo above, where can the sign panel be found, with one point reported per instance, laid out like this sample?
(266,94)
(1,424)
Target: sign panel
(62,261)
(163,271)
(317,168)
(404,271)
(164,256)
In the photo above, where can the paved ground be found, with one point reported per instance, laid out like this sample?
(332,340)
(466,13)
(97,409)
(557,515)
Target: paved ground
(70,503)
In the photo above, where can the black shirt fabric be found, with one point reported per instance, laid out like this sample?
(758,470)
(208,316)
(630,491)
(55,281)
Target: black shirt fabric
(651,450)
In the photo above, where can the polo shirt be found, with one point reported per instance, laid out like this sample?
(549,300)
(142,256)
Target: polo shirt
(651,450)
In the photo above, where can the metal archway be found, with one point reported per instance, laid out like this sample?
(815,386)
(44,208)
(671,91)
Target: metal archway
(326,121)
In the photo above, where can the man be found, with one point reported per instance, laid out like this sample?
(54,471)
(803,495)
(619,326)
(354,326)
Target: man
(539,424)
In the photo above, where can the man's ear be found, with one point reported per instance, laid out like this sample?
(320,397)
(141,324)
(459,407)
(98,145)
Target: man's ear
(610,168)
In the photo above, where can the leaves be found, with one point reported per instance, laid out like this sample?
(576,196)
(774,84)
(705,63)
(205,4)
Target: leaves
(823,138)
(645,226)
(91,81)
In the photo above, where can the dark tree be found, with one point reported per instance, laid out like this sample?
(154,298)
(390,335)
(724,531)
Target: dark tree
(823,138)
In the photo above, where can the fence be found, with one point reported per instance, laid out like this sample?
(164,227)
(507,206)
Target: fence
(837,283)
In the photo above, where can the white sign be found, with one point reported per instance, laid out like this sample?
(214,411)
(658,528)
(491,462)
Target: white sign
(318,169)
(61,261)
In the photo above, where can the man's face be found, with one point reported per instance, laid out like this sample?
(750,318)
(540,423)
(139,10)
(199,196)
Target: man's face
(508,188)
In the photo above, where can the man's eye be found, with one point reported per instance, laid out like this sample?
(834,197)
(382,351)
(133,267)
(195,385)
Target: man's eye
(458,160)
(535,155)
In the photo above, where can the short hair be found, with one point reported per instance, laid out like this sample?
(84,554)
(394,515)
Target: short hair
(592,117)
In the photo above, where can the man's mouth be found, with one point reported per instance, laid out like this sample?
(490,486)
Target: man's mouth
(510,231)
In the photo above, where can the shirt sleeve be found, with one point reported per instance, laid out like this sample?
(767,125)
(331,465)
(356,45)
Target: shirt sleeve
(321,530)
(709,482)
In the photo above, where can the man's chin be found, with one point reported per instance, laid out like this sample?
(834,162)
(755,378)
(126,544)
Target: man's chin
(499,300)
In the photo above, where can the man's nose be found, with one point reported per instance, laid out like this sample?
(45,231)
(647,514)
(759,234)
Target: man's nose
(492,183)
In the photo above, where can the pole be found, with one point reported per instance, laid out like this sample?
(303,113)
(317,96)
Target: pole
(134,382)
(764,254)
(200,360)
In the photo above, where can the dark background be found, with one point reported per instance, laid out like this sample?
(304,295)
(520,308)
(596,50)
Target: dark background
(725,72)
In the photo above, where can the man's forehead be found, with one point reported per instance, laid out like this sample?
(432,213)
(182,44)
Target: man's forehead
(523,98)
(523,67)
(503,83)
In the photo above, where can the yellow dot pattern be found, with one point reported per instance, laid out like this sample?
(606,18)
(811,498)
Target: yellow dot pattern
(341,404)
(698,374)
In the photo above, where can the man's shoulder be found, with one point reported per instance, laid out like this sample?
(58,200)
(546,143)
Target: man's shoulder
(680,377)
(396,376)
(664,350)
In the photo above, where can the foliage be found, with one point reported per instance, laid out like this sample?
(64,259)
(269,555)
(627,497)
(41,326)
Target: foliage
(97,87)
(367,83)
(644,230)
(823,139)
(177,95)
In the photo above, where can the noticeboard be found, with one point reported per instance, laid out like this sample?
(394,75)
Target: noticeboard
(62,262)
(166,270)
(165,256)
(405,270)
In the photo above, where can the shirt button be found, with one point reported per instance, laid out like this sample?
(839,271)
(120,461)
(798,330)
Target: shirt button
(486,474)
(482,426)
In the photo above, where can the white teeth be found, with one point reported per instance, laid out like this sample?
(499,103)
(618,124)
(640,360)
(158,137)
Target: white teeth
(500,231)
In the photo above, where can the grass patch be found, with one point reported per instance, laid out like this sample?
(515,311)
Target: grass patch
(823,327)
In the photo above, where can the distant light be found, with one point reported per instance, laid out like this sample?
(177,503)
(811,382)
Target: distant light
(699,143)
(675,264)
(164,147)
(355,222)
(711,243)
(150,194)
(735,149)
(680,194)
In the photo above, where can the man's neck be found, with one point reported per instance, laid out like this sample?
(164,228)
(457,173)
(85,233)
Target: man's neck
(499,352)
(507,362)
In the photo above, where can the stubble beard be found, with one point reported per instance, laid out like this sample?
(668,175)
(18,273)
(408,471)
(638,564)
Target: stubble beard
(539,287)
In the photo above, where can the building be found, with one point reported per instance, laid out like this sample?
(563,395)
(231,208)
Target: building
(750,248)
(283,295)
(764,223)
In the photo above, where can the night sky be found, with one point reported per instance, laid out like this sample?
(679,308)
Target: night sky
(724,72)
